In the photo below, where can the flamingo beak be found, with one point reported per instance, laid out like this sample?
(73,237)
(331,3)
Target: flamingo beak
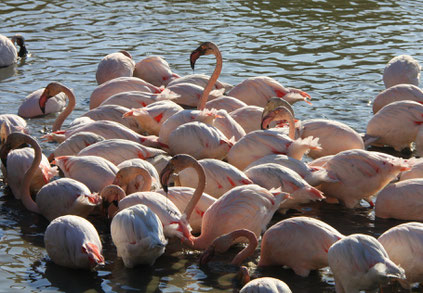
(43,101)
(201,50)
(165,175)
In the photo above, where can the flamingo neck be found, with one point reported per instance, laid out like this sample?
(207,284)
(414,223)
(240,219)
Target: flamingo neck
(198,191)
(69,108)
(247,251)
(26,198)
(213,78)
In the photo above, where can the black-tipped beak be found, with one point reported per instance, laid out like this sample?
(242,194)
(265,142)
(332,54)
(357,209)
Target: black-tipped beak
(194,56)
(165,175)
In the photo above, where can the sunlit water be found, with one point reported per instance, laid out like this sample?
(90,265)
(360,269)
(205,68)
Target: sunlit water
(334,50)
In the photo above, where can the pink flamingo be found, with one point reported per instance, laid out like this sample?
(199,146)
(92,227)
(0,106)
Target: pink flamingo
(118,150)
(10,123)
(30,105)
(244,207)
(138,235)
(404,244)
(8,52)
(152,116)
(17,162)
(360,175)
(95,172)
(283,244)
(313,175)
(189,94)
(401,200)
(54,199)
(73,242)
(359,262)
(74,144)
(220,177)
(264,285)
(258,90)
(397,93)
(155,70)
(134,186)
(201,80)
(136,99)
(115,65)
(249,117)
(227,103)
(397,125)
(401,69)
(272,175)
(119,85)
(416,170)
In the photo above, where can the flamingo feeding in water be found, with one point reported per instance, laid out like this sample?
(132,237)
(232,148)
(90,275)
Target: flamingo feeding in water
(404,245)
(8,52)
(138,235)
(30,105)
(359,262)
(155,70)
(73,242)
(283,244)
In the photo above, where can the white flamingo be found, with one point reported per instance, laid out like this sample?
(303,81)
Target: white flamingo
(8,52)
(73,242)
(115,65)
(30,105)
(401,69)
(397,93)
(155,70)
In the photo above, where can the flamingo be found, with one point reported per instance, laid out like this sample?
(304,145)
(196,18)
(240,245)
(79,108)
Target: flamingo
(95,172)
(220,177)
(75,143)
(201,80)
(404,244)
(359,262)
(73,242)
(401,200)
(118,150)
(360,174)
(401,69)
(8,52)
(258,90)
(155,70)
(189,94)
(17,162)
(313,175)
(227,103)
(115,65)
(136,99)
(30,105)
(119,85)
(138,235)
(272,175)
(54,199)
(397,93)
(134,186)
(249,117)
(334,136)
(244,207)
(223,243)
(416,170)
(397,125)
(265,285)
(10,123)
(152,116)
(283,244)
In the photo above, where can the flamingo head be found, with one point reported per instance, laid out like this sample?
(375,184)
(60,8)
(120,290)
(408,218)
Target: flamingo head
(111,195)
(205,48)
(51,90)
(20,41)
(175,165)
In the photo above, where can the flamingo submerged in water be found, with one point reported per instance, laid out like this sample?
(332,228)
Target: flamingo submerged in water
(73,242)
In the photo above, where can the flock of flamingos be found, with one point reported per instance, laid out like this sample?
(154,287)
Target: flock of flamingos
(167,157)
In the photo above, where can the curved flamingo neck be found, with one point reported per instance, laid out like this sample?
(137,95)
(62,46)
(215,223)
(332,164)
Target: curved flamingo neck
(198,191)
(69,108)
(26,198)
(247,251)
(213,78)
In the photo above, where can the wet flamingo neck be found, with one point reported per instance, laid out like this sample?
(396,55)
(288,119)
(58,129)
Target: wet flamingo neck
(213,78)
(69,108)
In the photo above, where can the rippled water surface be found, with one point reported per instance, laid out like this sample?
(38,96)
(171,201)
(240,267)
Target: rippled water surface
(334,50)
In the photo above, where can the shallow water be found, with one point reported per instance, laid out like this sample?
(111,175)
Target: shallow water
(334,50)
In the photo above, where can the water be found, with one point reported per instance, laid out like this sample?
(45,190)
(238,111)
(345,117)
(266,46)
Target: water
(334,50)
